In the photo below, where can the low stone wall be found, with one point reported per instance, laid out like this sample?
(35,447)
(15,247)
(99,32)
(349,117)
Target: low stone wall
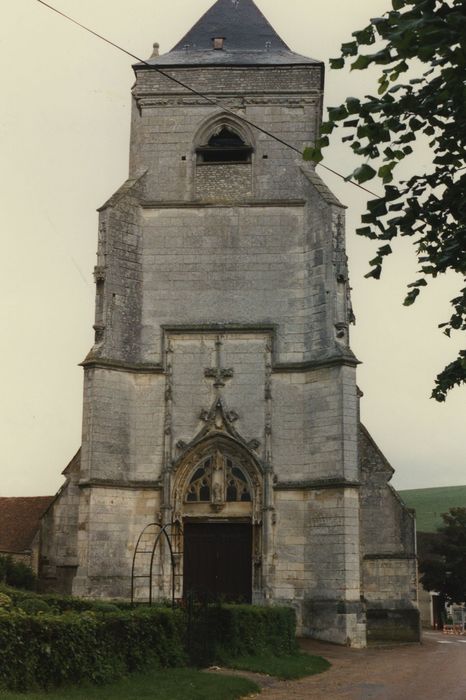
(393,625)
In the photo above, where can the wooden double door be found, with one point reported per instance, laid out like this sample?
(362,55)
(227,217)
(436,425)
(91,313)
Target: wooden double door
(218,562)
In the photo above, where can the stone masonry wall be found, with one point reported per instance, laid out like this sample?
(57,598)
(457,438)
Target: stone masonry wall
(58,558)
(223,183)
(119,276)
(239,265)
(387,524)
(111,520)
(122,426)
(316,561)
(389,570)
(311,411)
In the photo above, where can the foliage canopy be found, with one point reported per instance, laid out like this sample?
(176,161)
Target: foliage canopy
(425,39)
(445,570)
(15,573)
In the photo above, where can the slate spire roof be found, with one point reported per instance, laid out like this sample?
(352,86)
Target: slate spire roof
(249,39)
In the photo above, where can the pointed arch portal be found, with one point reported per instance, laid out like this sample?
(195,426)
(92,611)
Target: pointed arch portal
(218,499)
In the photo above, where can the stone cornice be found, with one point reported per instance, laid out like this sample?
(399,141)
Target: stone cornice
(395,556)
(316,484)
(223,205)
(121,366)
(148,101)
(277,368)
(120,484)
(337,361)
(221,328)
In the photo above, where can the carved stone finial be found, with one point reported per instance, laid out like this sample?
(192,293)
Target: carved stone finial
(204,415)
(232,416)
(218,373)
(155,51)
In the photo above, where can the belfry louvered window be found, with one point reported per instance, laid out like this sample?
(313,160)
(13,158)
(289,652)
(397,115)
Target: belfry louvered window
(225,146)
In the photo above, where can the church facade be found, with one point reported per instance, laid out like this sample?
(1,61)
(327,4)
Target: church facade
(220,397)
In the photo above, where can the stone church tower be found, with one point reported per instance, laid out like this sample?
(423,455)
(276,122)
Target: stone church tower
(220,395)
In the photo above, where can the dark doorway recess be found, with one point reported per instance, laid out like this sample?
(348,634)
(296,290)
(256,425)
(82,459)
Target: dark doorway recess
(218,562)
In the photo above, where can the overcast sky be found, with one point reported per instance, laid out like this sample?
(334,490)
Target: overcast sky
(64,128)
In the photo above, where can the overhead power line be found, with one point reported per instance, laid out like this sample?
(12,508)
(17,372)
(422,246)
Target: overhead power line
(196,92)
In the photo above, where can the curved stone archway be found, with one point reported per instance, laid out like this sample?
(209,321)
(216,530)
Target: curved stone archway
(224,460)
(217,487)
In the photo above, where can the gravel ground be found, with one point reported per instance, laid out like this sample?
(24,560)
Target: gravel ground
(433,670)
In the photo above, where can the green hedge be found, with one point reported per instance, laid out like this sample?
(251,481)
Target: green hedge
(42,647)
(219,633)
(61,604)
(42,651)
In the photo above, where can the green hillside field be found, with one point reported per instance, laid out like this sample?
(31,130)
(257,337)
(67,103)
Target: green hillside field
(429,504)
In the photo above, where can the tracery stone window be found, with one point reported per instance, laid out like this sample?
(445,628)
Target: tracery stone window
(200,486)
(218,479)
(237,486)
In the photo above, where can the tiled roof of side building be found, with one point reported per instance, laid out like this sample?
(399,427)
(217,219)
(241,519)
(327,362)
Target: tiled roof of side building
(19,522)
(249,39)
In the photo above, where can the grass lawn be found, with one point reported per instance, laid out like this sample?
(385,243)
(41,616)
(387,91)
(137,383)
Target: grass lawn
(166,684)
(284,667)
(431,503)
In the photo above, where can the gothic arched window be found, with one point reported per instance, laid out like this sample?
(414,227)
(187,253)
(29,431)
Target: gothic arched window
(200,486)
(237,487)
(228,485)
(225,146)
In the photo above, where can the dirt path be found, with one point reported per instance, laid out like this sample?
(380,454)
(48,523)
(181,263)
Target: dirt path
(435,670)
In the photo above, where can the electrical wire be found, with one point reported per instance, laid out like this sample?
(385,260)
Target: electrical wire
(196,92)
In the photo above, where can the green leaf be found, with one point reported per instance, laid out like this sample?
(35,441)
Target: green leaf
(322,142)
(313,154)
(367,232)
(336,114)
(353,105)
(386,172)
(337,63)
(364,173)
(418,283)
(398,4)
(377,207)
(391,193)
(365,36)
(361,63)
(375,273)
(385,250)
(384,85)
(415,124)
(349,49)
(327,127)
(411,297)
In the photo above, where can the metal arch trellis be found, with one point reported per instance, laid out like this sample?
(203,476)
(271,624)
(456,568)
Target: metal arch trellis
(162,533)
